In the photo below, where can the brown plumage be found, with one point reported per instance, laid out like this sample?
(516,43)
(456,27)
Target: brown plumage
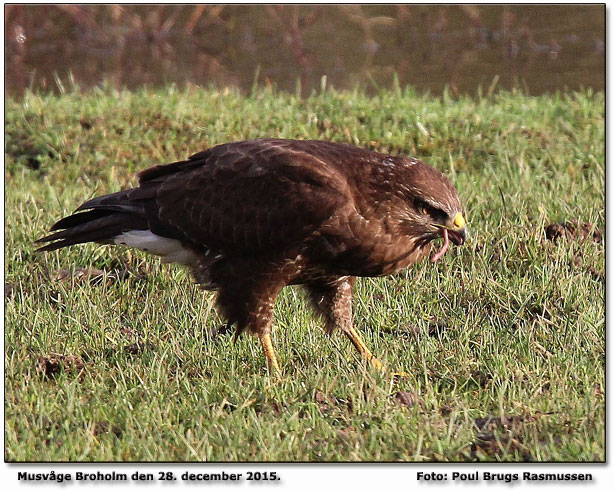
(250,217)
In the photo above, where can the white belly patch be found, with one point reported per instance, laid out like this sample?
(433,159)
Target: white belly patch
(171,250)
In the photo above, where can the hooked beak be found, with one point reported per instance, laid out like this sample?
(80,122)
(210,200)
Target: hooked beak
(456,232)
(458,236)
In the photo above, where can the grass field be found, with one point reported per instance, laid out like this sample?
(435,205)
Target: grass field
(111,355)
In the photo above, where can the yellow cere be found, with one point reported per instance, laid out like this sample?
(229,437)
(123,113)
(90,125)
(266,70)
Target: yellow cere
(459,220)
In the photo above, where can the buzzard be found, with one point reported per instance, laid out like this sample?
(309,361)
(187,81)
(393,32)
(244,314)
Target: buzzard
(251,217)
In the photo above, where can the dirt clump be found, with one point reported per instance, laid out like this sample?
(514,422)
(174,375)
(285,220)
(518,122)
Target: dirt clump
(9,290)
(573,230)
(53,364)
(407,399)
(499,435)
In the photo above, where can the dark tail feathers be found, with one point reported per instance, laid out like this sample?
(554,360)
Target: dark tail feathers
(107,217)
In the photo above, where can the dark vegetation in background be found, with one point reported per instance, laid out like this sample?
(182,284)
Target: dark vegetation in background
(541,47)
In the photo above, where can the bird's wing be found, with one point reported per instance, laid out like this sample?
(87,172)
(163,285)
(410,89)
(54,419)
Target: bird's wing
(253,196)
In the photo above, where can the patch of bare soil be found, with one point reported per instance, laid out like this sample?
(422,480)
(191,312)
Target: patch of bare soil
(578,262)
(137,348)
(407,399)
(9,290)
(574,230)
(102,427)
(328,403)
(346,434)
(53,364)
(266,406)
(499,435)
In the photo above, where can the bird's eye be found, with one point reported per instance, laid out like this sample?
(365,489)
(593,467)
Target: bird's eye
(422,207)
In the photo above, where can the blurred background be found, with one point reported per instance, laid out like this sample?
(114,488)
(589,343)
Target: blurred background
(540,48)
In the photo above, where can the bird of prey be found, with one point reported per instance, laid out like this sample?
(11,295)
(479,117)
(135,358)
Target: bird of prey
(251,217)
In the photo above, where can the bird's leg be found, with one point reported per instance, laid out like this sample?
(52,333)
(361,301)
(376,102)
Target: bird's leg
(333,300)
(259,322)
(360,345)
(250,305)
(269,352)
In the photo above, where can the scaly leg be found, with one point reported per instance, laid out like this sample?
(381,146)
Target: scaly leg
(360,345)
(333,299)
(269,353)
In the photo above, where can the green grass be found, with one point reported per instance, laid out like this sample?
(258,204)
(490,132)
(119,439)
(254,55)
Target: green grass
(509,326)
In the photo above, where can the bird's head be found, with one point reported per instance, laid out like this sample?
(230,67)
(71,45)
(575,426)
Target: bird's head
(432,206)
(436,222)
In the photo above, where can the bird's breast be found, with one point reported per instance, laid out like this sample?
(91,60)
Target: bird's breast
(402,257)
(359,246)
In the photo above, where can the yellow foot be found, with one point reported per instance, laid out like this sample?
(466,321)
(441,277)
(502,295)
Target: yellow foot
(376,363)
(381,368)
(269,353)
(399,375)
